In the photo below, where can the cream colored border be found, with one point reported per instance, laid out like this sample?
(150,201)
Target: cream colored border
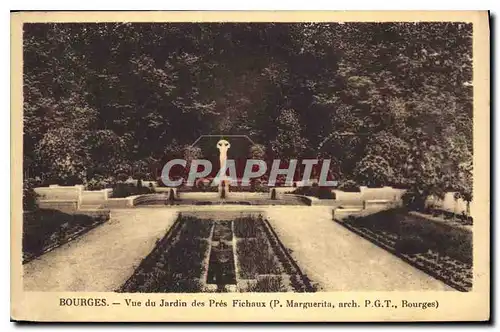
(456,306)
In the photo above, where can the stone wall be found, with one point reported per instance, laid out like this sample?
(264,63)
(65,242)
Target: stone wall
(69,198)
(96,196)
(55,192)
(118,203)
(62,198)
(370,195)
(67,206)
(448,203)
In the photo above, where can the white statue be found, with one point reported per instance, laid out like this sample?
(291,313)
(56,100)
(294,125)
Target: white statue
(223,146)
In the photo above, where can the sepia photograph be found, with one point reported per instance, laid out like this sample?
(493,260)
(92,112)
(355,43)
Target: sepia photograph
(241,157)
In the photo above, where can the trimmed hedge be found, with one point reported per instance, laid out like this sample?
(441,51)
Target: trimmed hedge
(121,190)
(315,191)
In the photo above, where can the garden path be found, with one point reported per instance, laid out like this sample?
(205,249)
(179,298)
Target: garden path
(329,254)
(341,260)
(104,258)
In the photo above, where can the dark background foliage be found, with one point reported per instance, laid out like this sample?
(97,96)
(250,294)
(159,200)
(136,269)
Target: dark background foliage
(389,103)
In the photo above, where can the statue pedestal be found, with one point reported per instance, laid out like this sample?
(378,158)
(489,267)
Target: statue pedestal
(223,189)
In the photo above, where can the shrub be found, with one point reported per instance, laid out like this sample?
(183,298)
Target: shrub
(315,191)
(253,184)
(325,193)
(139,175)
(126,190)
(413,200)
(349,186)
(99,183)
(122,177)
(29,194)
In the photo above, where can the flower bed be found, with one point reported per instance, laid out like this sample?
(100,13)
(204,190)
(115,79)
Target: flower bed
(442,251)
(45,229)
(263,260)
(176,263)
(205,255)
(256,257)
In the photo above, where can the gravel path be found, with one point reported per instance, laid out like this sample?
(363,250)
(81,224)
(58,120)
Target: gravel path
(340,260)
(104,258)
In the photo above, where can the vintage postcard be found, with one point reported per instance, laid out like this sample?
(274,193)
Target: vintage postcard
(250,166)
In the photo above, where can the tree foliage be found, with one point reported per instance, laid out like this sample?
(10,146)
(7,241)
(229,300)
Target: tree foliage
(389,103)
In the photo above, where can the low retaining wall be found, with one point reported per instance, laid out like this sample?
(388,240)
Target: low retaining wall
(448,203)
(95,197)
(54,192)
(63,198)
(70,198)
(365,193)
(67,206)
(118,203)
(387,193)
(344,196)
(198,195)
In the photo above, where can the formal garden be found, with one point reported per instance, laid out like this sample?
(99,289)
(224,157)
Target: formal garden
(207,255)
(107,105)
